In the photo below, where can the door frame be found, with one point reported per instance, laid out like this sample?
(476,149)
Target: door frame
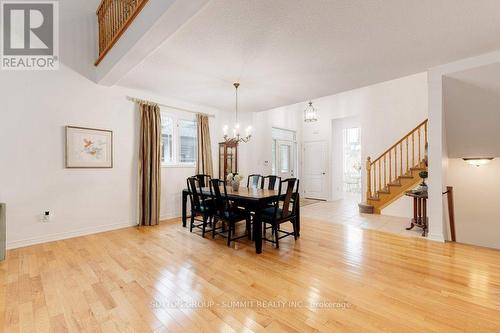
(328,167)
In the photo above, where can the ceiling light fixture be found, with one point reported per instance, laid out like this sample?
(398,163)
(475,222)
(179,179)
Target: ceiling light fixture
(478,161)
(310,113)
(236,136)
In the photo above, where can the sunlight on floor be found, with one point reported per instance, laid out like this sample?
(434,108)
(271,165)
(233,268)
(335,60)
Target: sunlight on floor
(346,212)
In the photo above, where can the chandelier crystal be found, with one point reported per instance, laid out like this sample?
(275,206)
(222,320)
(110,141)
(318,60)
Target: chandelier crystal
(236,136)
(310,113)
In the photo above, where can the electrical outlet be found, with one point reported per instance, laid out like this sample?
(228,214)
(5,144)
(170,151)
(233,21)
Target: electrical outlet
(46,216)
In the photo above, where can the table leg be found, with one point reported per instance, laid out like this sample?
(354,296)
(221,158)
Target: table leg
(297,221)
(415,215)
(257,229)
(424,216)
(184,208)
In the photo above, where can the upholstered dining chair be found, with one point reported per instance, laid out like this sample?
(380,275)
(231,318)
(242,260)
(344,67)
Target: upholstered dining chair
(254,181)
(226,211)
(283,209)
(201,205)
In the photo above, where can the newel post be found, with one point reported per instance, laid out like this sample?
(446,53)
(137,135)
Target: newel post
(368,178)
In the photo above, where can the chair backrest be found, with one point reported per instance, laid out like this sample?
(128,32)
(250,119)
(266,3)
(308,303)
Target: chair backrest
(222,202)
(253,181)
(271,181)
(204,180)
(290,196)
(195,193)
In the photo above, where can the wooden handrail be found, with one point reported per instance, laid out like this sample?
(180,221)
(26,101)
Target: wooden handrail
(114,17)
(401,140)
(405,158)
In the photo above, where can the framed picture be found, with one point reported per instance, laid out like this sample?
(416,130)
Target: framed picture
(88,148)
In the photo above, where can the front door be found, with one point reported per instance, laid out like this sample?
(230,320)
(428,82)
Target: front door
(286,160)
(315,168)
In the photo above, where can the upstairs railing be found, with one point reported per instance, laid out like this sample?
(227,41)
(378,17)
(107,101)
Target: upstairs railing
(407,153)
(114,17)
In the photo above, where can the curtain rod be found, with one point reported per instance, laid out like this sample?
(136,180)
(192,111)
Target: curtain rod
(138,100)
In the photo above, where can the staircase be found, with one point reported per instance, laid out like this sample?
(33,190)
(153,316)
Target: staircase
(396,170)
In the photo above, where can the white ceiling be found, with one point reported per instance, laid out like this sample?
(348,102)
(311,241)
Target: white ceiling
(288,51)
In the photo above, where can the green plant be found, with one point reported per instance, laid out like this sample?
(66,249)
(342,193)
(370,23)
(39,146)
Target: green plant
(423,174)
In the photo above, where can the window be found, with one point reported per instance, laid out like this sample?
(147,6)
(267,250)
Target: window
(187,130)
(167,137)
(178,141)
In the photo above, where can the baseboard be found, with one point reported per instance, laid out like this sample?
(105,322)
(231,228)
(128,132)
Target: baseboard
(169,216)
(436,238)
(68,234)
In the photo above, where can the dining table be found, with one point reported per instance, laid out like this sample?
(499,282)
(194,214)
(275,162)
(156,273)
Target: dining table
(253,199)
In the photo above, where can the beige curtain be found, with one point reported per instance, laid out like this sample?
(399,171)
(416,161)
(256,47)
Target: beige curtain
(204,160)
(149,164)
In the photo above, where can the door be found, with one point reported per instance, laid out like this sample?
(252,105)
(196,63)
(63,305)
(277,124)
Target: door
(286,160)
(315,170)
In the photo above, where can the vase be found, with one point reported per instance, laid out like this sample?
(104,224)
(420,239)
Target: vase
(236,185)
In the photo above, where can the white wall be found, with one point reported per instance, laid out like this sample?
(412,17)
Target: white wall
(35,108)
(259,150)
(476,191)
(387,111)
(438,150)
(471,119)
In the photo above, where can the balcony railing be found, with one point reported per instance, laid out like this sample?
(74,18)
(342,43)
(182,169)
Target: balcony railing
(114,17)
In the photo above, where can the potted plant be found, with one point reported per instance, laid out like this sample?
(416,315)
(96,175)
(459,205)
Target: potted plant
(234,179)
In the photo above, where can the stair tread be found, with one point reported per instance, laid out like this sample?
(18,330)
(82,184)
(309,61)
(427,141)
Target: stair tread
(384,191)
(395,184)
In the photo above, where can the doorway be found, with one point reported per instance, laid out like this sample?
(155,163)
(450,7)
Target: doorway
(346,163)
(284,162)
(351,168)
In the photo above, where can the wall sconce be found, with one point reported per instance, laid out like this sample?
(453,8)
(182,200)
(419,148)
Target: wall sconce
(478,161)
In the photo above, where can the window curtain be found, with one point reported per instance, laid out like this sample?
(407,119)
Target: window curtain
(204,160)
(149,164)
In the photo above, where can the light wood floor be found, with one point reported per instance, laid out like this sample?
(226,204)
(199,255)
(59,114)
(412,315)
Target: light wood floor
(339,278)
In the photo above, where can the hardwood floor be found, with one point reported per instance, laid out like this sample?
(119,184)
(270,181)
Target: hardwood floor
(336,278)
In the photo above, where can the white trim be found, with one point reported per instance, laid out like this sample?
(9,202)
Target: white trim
(67,234)
(170,216)
(435,238)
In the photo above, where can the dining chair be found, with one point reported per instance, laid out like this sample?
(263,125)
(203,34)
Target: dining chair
(270,182)
(284,209)
(201,205)
(204,180)
(228,212)
(253,181)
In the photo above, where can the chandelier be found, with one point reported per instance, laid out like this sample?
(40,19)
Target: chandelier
(310,113)
(236,137)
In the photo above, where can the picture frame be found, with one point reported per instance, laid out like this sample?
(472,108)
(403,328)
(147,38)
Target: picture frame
(88,148)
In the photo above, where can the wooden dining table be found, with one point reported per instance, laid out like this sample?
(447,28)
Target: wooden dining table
(254,200)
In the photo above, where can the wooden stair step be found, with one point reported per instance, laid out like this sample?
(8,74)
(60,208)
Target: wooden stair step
(365,208)
(384,191)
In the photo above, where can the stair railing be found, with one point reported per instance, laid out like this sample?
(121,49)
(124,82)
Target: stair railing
(114,17)
(407,153)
